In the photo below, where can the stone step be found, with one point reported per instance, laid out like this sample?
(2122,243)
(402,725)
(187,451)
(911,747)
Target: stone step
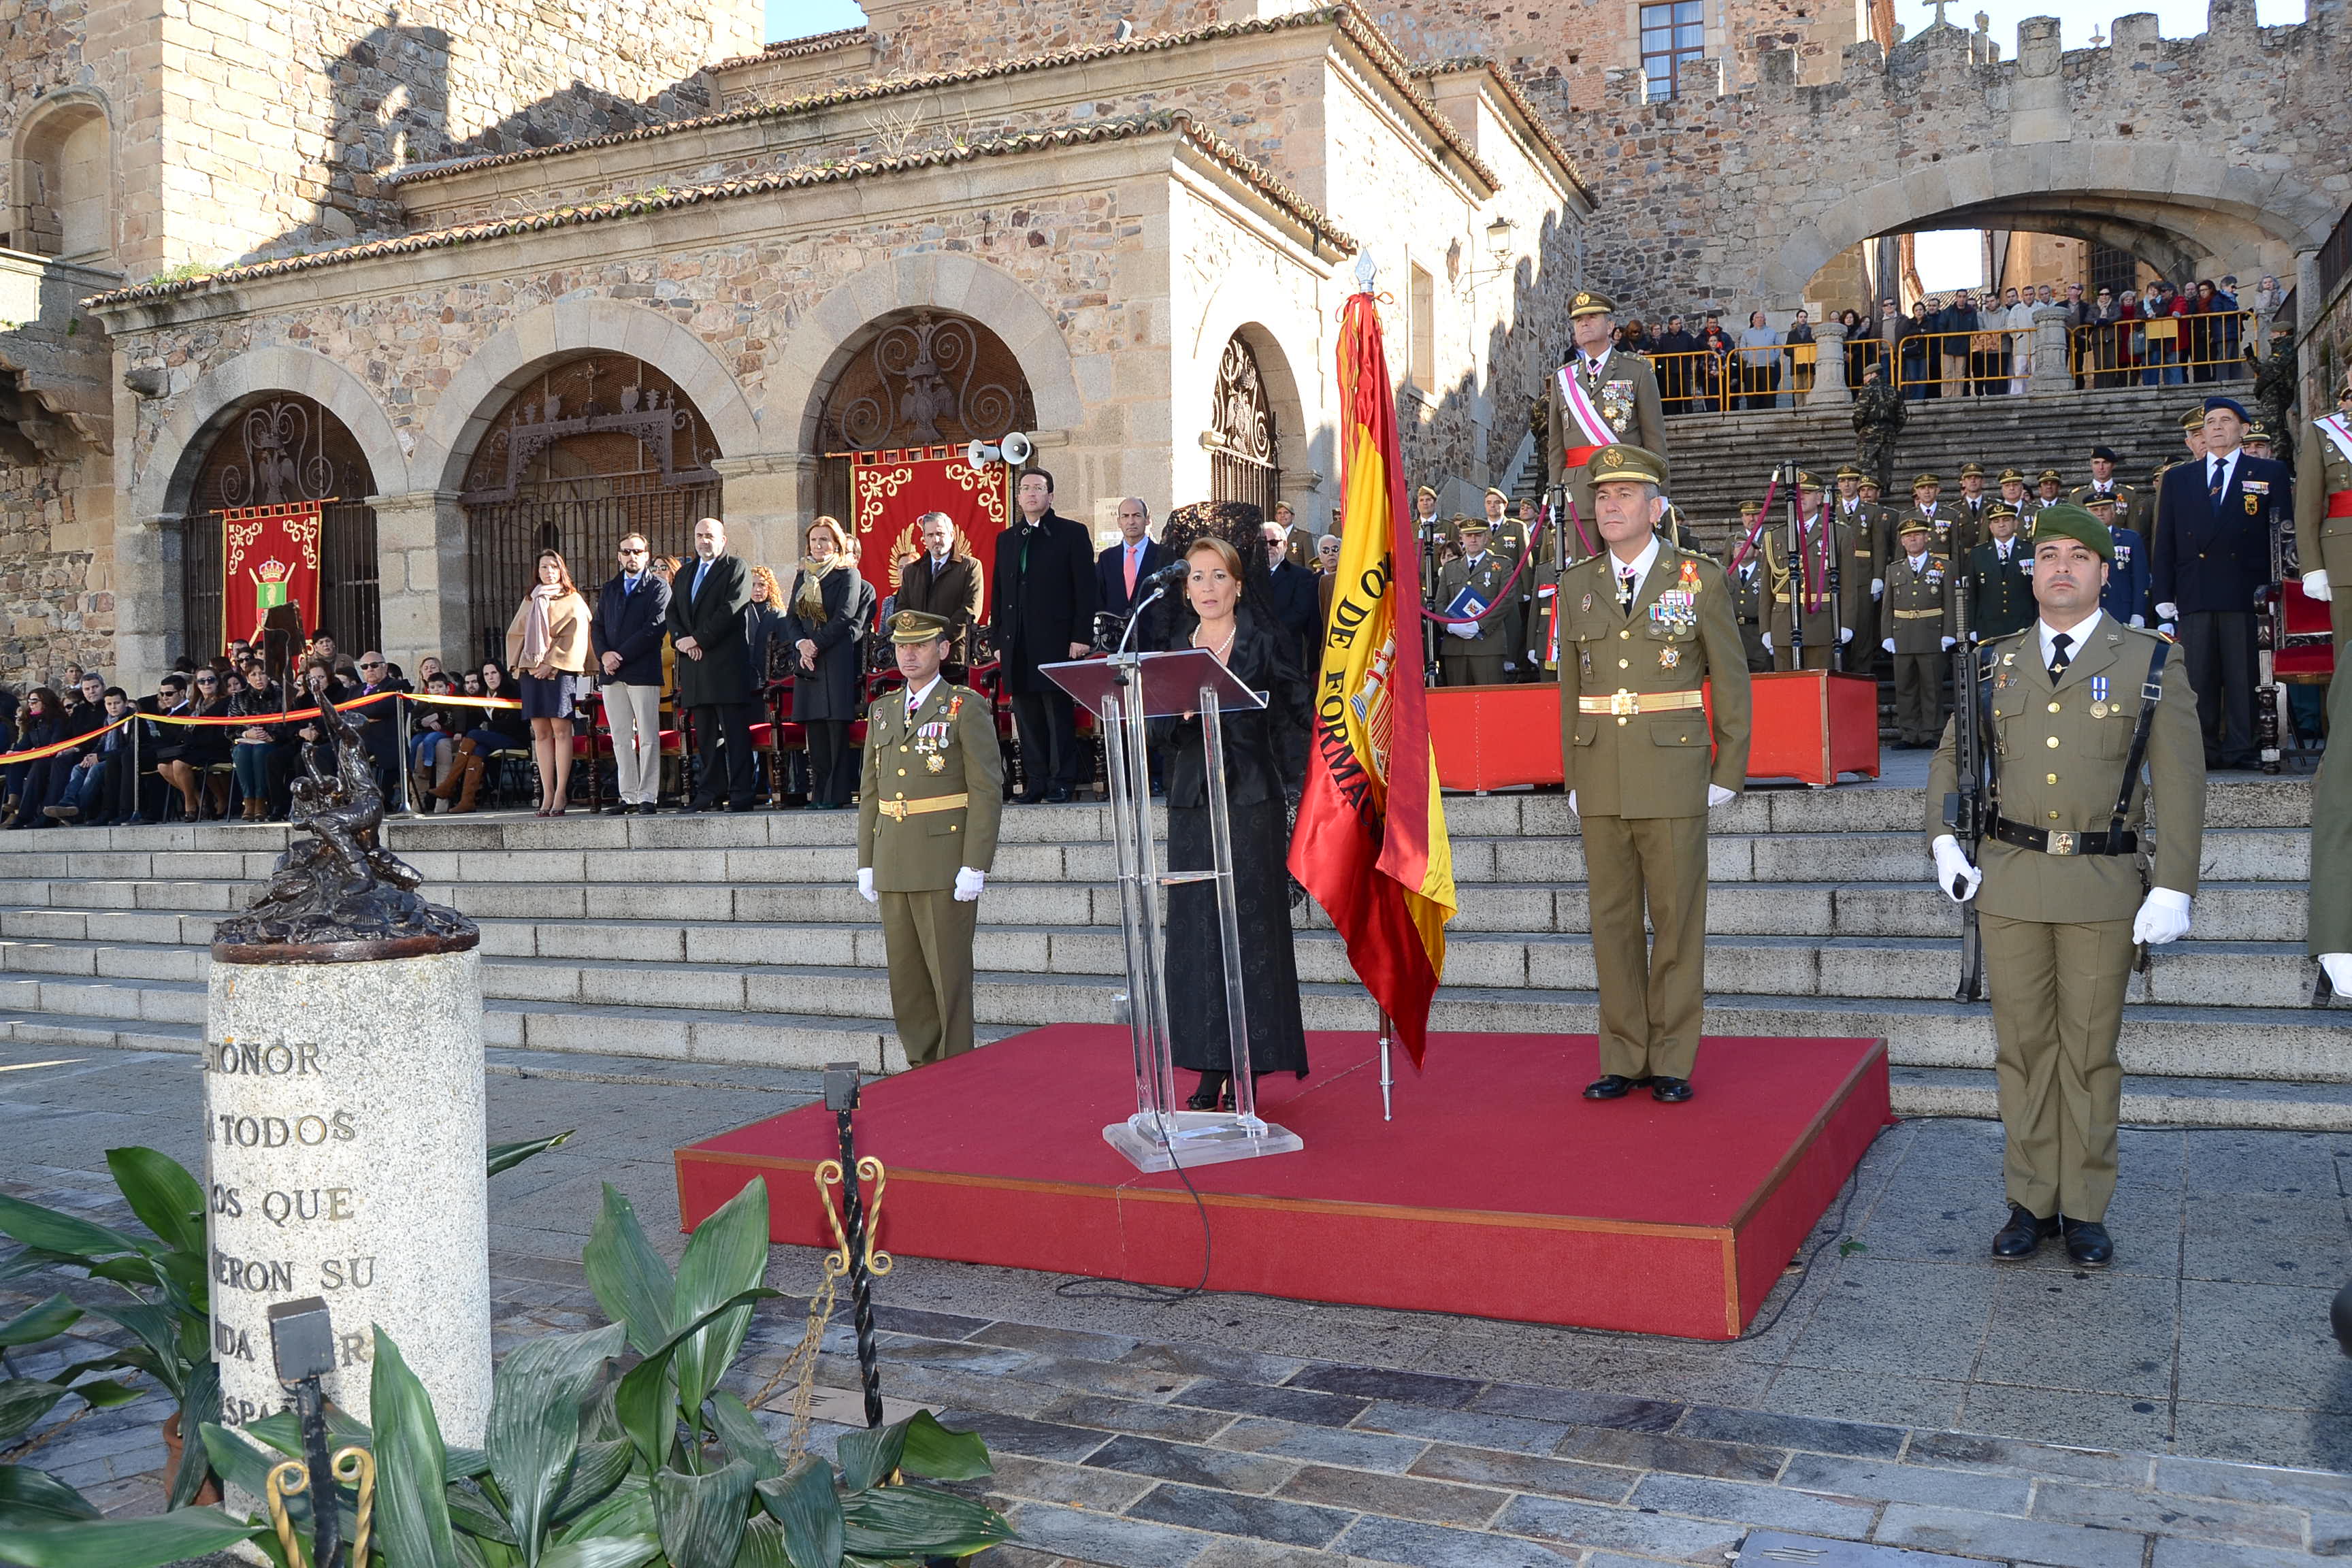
(2146,1101)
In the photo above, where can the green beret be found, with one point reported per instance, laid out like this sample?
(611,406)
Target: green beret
(2067,521)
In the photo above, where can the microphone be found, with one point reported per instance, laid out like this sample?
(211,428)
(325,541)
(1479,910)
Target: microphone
(1168,576)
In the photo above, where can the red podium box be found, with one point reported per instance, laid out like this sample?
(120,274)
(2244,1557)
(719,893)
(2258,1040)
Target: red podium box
(1809,725)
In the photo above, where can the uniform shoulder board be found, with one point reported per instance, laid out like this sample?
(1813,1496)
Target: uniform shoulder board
(2152,632)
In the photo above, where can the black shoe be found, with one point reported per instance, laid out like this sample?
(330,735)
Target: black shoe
(1028,798)
(1669,1090)
(687,809)
(1608,1086)
(747,806)
(1058,795)
(650,809)
(1211,1094)
(2023,1234)
(2088,1242)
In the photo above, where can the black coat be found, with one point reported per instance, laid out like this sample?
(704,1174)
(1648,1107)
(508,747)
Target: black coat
(631,624)
(1257,740)
(1296,604)
(1045,598)
(714,619)
(834,689)
(2210,558)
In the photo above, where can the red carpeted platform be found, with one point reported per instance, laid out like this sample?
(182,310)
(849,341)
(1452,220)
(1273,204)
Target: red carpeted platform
(1496,1192)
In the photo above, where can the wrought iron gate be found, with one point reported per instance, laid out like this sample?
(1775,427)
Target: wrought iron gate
(1241,436)
(584,520)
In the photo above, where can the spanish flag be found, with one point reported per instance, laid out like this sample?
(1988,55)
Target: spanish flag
(1371,843)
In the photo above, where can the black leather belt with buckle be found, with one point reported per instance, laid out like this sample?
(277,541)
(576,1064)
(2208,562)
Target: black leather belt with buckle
(2053,842)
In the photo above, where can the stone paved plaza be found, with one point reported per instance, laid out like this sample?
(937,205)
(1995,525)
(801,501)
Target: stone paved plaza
(1901,1390)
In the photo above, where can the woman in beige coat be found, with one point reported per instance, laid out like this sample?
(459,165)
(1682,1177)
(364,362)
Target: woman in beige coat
(547,646)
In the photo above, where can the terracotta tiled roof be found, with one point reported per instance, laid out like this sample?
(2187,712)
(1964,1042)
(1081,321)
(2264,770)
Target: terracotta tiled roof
(1178,123)
(799,49)
(1457,65)
(1350,21)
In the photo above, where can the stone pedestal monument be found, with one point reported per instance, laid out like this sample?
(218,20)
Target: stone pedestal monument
(343,1125)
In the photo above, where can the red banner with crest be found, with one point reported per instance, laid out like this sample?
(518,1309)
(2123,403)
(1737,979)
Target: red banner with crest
(269,557)
(890,488)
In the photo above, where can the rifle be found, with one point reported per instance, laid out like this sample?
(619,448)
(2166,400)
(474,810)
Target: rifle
(1796,567)
(1968,812)
(2269,641)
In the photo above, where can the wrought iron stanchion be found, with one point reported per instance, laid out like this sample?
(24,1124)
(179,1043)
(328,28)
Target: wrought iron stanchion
(853,1227)
(303,1344)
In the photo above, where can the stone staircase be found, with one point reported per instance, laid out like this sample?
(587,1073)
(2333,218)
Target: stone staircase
(740,939)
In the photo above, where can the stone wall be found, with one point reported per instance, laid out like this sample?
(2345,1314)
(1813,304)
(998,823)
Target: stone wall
(56,605)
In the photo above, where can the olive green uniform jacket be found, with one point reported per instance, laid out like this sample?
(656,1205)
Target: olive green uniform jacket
(2325,543)
(1626,392)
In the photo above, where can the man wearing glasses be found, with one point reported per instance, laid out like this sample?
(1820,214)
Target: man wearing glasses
(379,724)
(625,634)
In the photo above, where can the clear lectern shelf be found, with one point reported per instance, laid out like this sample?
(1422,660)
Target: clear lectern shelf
(1170,683)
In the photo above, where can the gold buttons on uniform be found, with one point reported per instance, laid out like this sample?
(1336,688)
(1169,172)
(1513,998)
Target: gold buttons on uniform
(1624,664)
(902,773)
(2053,816)
(1621,722)
(2051,743)
(1624,635)
(2053,708)
(2053,777)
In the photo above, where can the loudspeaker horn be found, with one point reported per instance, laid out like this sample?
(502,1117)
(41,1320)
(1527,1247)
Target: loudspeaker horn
(979,454)
(1017,448)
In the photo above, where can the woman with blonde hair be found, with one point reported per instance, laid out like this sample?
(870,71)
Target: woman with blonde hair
(826,617)
(763,618)
(547,644)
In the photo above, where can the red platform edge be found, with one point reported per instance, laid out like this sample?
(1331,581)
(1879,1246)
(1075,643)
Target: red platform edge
(1691,1280)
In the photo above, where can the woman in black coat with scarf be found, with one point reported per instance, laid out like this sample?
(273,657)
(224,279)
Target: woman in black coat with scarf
(1254,647)
(825,620)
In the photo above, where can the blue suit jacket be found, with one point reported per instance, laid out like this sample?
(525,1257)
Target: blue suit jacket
(631,624)
(2125,594)
(2210,558)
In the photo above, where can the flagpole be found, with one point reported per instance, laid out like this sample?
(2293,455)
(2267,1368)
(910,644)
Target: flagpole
(1388,1032)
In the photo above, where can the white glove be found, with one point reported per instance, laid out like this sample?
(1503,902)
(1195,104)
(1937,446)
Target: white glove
(1947,644)
(2163,917)
(1877,586)
(968,883)
(1768,642)
(1462,631)
(1534,658)
(2339,970)
(1509,665)
(1717,795)
(1888,644)
(2139,620)
(2167,627)
(1571,803)
(1953,870)
(2167,613)
(866,885)
(2314,586)
(1845,635)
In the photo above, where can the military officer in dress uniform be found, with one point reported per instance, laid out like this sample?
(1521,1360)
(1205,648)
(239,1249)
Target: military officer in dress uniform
(1506,536)
(928,806)
(2001,578)
(2192,436)
(2258,442)
(1918,634)
(1645,628)
(2050,487)
(1299,543)
(1748,591)
(2323,548)
(2058,893)
(1475,652)
(2128,504)
(1618,386)
(1973,497)
(2125,594)
(1953,538)
(1828,623)
(1866,562)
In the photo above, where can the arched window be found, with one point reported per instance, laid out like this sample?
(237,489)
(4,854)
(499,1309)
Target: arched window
(920,378)
(1242,438)
(64,184)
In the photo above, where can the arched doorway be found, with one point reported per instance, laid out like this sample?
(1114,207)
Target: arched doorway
(583,455)
(276,448)
(917,378)
(1242,438)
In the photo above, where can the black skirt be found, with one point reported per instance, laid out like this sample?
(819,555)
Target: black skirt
(1199,1037)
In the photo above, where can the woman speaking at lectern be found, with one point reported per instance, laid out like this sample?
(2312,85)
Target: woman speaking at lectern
(1214,614)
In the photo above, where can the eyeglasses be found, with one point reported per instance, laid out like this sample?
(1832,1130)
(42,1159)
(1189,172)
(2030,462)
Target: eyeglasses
(627,551)
(206,681)
(371,664)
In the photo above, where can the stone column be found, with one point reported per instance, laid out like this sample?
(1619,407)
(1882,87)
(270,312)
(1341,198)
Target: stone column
(420,551)
(1829,366)
(762,507)
(2050,369)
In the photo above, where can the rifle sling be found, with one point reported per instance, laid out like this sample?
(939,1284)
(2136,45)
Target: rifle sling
(2151,695)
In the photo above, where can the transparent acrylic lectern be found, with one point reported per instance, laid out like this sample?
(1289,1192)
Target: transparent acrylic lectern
(1123,691)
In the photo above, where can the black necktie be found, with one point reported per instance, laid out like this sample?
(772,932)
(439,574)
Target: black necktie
(2213,482)
(2058,658)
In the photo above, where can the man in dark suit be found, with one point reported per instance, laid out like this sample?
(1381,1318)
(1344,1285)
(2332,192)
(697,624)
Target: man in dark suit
(632,615)
(946,582)
(1122,571)
(1045,614)
(1296,602)
(2211,556)
(714,668)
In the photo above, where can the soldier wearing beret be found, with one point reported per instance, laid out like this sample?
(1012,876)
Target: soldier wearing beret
(1918,634)
(927,807)
(2323,547)
(1645,628)
(2059,892)
(2001,578)
(1603,394)
(2127,502)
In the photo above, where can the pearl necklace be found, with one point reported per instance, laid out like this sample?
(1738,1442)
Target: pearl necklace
(1223,648)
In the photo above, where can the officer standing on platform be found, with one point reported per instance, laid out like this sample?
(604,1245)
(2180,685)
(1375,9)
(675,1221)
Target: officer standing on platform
(1866,562)
(1506,536)
(1477,652)
(2058,895)
(1828,623)
(1952,536)
(2323,547)
(1602,394)
(1918,634)
(927,807)
(2001,578)
(1747,592)
(1645,628)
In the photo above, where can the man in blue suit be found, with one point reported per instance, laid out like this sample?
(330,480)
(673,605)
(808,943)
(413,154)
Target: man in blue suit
(1123,571)
(625,634)
(2213,555)
(2125,595)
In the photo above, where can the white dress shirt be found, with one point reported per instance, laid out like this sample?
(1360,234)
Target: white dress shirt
(1640,568)
(2079,634)
(914,700)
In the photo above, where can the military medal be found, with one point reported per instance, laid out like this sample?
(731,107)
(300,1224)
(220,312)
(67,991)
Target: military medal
(1587,602)
(935,762)
(1669,656)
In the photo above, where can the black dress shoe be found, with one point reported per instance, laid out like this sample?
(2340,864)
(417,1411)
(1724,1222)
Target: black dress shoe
(1608,1086)
(1669,1090)
(1058,795)
(2088,1242)
(1028,798)
(2023,1236)
(690,808)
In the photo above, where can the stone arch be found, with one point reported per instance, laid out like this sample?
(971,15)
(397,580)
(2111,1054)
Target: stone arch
(62,179)
(2279,205)
(565,330)
(168,477)
(1283,339)
(828,333)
